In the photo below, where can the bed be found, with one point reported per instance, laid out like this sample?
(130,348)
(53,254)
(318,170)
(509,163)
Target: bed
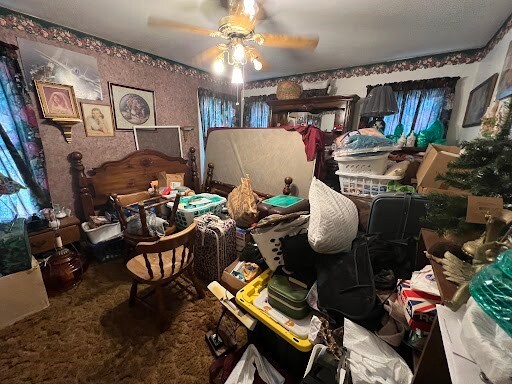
(132,173)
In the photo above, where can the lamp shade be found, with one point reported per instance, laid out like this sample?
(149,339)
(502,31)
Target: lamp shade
(381,101)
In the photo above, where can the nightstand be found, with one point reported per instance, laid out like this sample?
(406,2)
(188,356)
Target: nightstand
(44,241)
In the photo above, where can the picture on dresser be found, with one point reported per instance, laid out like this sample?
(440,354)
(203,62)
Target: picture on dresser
(505,84)
(50,63)
(57,100)
(98,120)
(479,100)
(132,106)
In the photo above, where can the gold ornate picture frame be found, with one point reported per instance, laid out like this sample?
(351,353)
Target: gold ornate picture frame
(57,101)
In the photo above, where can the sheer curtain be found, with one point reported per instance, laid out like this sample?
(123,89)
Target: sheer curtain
(216,110)
(421,103)
(21,156)
(257,112)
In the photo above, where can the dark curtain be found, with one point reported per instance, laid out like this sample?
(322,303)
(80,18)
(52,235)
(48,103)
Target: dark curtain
(217,110)
(257,112)
(421,103)
(22,156)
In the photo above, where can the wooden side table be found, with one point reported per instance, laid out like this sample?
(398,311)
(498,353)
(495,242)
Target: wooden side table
(432,366)
(44,241)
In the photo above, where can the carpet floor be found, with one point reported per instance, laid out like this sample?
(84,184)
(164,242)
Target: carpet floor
(90,335)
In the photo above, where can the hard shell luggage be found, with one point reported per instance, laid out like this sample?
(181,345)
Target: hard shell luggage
(215,246)
(397,215)
(287,297)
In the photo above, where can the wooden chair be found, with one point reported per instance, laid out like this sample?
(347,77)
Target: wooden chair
(143,202)
(160,262)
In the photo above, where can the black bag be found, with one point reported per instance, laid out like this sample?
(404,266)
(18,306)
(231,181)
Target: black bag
(397,215)
(346,287)
(297,253)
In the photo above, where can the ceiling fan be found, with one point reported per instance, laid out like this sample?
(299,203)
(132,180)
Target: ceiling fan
(238,28)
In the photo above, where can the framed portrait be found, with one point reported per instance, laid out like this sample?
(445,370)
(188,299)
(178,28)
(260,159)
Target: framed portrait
(132,106)
(57,100)
(479,100)
(98,120)
(505,84)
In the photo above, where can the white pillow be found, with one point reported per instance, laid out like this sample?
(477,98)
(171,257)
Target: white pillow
(333,221)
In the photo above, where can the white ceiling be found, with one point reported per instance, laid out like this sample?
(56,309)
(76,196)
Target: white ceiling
(352,32)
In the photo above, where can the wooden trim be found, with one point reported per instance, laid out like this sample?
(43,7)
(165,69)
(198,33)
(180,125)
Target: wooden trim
(113,177)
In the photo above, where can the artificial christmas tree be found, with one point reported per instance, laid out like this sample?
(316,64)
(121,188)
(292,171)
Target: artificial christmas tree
(484,167)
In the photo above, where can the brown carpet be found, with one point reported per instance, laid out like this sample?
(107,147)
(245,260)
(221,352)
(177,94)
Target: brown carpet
(90,335)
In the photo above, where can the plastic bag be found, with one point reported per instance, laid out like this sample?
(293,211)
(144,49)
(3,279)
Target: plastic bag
(487,343)
(251,360)
(242,204)
(425,281)
(372,361)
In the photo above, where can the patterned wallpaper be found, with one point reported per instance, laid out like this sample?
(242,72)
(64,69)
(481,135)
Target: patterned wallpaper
(176,104)
(432,61)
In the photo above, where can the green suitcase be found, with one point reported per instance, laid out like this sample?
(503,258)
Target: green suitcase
(288,298)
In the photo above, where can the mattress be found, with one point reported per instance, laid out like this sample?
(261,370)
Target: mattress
(267,155)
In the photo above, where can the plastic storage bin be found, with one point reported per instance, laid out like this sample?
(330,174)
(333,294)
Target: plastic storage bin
(245,298)
(103,233)
(364,184)
(106,250)
(197,205)
(374,165)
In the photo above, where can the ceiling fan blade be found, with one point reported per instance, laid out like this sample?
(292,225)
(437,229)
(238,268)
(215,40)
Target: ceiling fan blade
(165,23)
(208,55)
(287,41)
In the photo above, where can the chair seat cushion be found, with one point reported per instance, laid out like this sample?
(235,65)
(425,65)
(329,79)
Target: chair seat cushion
(137,265)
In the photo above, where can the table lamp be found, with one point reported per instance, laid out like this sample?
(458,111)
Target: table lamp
(380,102)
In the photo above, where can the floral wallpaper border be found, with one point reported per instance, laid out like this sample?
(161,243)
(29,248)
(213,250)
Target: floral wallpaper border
(17,21)
(432,61)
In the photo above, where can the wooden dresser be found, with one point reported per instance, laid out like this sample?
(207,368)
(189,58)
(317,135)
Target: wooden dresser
(342,105)
(44,240)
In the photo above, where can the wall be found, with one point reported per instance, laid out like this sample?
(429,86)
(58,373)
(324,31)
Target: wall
(357,85)
(491,64)
(176,104)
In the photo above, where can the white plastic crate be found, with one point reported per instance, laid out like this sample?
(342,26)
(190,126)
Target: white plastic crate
(197,205)
(364,184)
(102,233)
(374,165)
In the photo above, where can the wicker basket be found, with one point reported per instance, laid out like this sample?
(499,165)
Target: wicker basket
(287,90)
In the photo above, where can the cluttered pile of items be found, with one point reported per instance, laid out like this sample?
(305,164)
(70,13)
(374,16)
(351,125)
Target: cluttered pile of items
(364,169)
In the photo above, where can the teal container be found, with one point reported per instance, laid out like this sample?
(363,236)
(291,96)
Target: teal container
(492,290)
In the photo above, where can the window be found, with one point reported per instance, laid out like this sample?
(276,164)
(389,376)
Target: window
(421,103)
(257,112)
(216,110)
(21,153)
(417,110)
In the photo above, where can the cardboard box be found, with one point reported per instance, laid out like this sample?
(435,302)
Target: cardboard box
(419,307)
(22,294)
(451,191)
(435,162)
(230,282)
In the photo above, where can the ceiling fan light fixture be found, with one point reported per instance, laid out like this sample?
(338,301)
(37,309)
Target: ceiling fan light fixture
(257,64)
(218,66)
(250,8)
(238,52)
(237,76)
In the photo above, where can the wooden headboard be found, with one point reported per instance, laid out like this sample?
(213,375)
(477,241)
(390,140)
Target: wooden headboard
(130,174)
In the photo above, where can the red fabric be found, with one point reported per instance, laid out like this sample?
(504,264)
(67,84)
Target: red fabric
(313,140)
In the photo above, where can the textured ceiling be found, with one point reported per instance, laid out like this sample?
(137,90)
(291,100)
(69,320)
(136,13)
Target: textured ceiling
(352,32)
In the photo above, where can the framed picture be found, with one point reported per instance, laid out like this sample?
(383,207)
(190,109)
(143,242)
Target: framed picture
(98,120)
(50,63)
(132,106)
(479,100)
(505,84)
(57,100)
